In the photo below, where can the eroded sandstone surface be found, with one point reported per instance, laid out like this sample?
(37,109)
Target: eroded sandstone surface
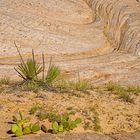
(74,31)
(55,27)
(121,22)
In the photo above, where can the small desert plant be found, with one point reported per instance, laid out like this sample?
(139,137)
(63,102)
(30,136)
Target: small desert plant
(28,70)
(60,122)
(5,81)
(134,89)
(52,74)
(114,87)
(126,97)
(121,91)
(36,109)
(96,122)
(62,85)
(39,111)
(80,86)
(30,86)
(92,121)
(66,86)
(23,126)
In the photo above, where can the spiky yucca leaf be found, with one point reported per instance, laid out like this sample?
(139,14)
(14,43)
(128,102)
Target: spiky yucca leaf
(52,74)
(29,69)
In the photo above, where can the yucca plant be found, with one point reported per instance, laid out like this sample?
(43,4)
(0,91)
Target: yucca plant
(28,70)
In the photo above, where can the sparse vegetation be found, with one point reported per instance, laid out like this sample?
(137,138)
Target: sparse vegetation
(126,97)
(96,122)
(60,122)
(80,86)
(30,72)
(5,81)
(23,126)
(30,69)
(92,121)
(121,91)
(67,86)
(114,87)
(63,123)
(52,74)
(30,86)
(133,89)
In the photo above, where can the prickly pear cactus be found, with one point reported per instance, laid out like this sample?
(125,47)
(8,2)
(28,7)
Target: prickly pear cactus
(14,128)
(19,132)
(27,130)
(36,127)
(23,126)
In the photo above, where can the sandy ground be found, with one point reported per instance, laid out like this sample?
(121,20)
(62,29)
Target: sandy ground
(115,115)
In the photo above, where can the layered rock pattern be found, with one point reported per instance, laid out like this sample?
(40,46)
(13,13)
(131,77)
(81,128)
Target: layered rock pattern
(54,27)
(67,26)
(121,22)
(74,32)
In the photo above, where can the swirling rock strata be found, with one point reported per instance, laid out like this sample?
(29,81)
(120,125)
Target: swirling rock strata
(74,32)
(70,26)
(55,27)
(121,22)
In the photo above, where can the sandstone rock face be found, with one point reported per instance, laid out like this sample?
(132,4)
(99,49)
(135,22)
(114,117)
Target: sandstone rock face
(73,32)
(55,27)
(81,136)
(121,22)
(67,26)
